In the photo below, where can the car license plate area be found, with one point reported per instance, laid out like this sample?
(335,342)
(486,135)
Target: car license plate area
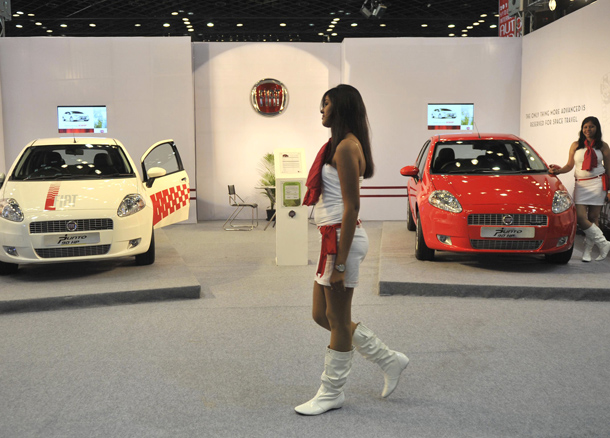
(508,232)
(71,239)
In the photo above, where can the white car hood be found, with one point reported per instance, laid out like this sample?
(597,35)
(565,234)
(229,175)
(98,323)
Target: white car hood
(62,195)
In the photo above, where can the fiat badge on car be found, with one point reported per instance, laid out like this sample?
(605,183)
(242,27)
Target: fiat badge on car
(507,219)
(71,226)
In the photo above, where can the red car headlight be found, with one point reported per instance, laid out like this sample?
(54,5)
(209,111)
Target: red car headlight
(445,201)
(561,201)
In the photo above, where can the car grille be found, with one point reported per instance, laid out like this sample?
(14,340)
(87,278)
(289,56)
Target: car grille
(518,219)
(72,251)
(503,245)
(60,226)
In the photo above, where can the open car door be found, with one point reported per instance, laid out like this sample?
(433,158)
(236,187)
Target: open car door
(167,183)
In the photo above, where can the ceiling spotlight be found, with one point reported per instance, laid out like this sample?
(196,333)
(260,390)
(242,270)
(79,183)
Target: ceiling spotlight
(166,24)
(63,25)
(92,25)
(373,8)
(552,5)
(210,24)
(424,25)
(239,24)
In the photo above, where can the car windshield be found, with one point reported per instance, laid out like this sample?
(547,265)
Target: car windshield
(78,161)
(467,157)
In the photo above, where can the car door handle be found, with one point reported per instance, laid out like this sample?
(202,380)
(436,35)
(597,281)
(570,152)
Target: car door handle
(184,179)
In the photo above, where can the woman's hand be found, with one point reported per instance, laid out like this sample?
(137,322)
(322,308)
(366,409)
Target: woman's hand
(337,281)
(554,169)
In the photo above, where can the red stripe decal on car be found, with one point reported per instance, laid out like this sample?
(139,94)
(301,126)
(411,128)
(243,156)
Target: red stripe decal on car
(51,195)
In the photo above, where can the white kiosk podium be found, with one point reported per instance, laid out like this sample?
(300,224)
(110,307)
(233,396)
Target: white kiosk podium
(290,213)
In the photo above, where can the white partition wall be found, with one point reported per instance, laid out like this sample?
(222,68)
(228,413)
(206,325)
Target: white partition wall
(145,83)
(3,167)
(231,137)
(566,77)
(398,77)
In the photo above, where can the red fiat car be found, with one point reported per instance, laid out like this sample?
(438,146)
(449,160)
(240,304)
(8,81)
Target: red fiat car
(487,193)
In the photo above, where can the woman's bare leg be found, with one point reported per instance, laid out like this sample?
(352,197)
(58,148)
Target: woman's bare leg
(319,307)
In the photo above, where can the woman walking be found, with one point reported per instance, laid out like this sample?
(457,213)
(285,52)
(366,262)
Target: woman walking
(334,187)
(591,156)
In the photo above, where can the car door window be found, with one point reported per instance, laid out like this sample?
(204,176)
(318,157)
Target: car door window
(163,156)
(421,159)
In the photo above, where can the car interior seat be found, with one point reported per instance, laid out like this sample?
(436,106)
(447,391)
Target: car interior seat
(445,156)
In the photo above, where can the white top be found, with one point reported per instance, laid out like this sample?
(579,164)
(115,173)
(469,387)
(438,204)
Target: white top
(579,157)
(329,209)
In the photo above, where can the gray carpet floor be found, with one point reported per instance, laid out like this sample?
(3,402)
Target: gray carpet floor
(235,362)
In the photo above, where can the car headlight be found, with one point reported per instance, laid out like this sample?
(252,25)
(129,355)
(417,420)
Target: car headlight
(10,210)
(131,204)
(561,201)
(445,201)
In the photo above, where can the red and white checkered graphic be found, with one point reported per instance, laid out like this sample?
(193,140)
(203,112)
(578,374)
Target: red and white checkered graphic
(168,201)
(51,195)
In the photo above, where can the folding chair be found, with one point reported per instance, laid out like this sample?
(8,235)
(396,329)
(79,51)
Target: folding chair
(239,204)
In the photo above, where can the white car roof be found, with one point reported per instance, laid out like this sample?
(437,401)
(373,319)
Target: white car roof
(75,140)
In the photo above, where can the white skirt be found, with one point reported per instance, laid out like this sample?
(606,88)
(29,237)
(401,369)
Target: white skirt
(357,253)
(589,192)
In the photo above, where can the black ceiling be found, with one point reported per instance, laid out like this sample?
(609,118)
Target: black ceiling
(253,20)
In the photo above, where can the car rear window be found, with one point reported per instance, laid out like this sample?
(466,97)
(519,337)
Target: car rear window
(485,156)
(72,162)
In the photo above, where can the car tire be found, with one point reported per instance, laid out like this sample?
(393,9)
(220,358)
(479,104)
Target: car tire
(422,252)
(147,258)
(411,226)
(560,258)
(8,268)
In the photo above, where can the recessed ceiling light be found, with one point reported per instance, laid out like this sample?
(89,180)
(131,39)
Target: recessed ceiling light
(137,25)
(210,24)
(174,13)
(283,24)
(15,15)
(187,22)
(331,26)
(329,30)
(63,25)
(354,24)
(382,25)
(451,34)
(190,26)
(483,15)
(91,24)
(493,26)
(475,24)
(38,23)
(424,25)
(239,24)
(469,27)
(30,15)
(19,13)
(185,19)
(19,26)
(320,34)
(333,34)
(49,31)
(481,21)
(191,30)
(451,26)
(464,35)
(166,25)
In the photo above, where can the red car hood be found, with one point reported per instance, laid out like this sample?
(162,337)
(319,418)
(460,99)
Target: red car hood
(521,189)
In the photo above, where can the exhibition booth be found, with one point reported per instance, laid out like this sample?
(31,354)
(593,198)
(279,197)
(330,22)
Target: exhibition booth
(539,87)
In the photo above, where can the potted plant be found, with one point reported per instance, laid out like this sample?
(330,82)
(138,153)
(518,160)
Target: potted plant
(267,172)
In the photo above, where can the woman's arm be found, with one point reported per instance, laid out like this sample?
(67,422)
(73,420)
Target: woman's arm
(347,160)
(606,155)
(569,165)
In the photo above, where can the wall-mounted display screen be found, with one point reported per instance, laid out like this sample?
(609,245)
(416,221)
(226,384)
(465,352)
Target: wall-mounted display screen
(451,116)
(82,119)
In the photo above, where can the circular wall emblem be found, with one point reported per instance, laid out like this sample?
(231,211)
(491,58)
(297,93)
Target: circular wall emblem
(71,226)
(269,97)
(507,219)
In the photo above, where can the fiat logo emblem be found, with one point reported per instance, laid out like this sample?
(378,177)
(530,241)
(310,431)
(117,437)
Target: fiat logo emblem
(269,97)
(71,226)
(507,219)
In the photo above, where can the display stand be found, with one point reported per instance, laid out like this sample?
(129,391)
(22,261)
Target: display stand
(290,213)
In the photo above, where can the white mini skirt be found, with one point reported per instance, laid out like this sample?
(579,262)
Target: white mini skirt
(357,253)
(589,192)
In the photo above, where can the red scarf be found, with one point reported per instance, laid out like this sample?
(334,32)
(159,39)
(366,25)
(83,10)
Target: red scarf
(314,178)
(329,245)
(590,161)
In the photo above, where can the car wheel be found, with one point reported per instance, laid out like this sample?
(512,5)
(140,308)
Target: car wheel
(147,258)
(8,268)
(560,258)
(411,226)
(422,252)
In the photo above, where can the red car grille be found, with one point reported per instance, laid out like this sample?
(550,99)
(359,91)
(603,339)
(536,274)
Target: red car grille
(504,245)
(517,219)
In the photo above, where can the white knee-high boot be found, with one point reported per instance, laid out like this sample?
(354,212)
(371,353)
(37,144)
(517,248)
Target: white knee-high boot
(392,362)
(586,254)
(597,235)
(337,366)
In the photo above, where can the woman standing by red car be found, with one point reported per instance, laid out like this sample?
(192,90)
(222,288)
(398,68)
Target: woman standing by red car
(591,156)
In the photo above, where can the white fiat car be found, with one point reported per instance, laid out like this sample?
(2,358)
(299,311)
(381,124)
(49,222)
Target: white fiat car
(76,199)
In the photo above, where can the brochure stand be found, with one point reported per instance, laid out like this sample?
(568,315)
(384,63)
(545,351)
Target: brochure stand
(290,214)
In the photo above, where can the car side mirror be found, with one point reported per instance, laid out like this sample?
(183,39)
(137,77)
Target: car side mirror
(2,178)
(412,171)
(154,173)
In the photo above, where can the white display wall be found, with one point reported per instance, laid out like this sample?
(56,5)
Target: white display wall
(398,77)
(145,83)
(231,136)
(2,164)
(566,77)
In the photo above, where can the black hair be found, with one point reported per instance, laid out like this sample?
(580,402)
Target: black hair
(597,142)
(348,114)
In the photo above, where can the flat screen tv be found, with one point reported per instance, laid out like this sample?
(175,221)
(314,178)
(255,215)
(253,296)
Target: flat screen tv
(459,116)
(82,119)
